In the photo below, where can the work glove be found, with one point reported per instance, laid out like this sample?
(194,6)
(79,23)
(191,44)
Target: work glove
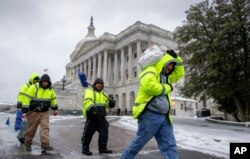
(172,53)
(19,105)
(112,103)
(111,96)
(54,107)
(25,109)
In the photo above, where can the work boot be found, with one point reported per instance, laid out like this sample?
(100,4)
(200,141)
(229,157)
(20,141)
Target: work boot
(86,152)
(107,151)
(21,140)
(28,148)
(47,148)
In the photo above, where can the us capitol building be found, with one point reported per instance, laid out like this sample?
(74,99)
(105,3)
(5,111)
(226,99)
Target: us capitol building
(114,58)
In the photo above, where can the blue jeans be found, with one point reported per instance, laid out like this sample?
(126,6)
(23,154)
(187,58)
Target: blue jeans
(153,125)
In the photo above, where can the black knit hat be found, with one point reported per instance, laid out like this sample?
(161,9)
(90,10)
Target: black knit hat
(45,77)
(100,81)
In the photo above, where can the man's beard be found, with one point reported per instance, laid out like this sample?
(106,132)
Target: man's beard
(98,89)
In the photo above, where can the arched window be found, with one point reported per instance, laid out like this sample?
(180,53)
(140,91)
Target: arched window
(124,103)
(131,100)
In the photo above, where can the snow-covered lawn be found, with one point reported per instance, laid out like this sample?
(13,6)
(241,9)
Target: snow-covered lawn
(213,142)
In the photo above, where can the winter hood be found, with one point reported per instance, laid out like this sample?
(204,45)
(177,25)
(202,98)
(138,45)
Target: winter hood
(166,60)
(45,77)
(32,77)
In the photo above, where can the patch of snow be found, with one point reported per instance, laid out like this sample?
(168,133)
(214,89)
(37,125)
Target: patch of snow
(126,122)
(184,99)
(216,145)
(60,117)
(6,104)
(213,145)
(190,118)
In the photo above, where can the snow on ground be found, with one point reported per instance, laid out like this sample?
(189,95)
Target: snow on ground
(216,145)
(5,116)
(9,131)
(210,140)
(125,122)
(213,145)
(59,117)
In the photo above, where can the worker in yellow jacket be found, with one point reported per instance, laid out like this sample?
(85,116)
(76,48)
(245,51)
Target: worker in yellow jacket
(38,99)
(95,103)
(153,104)
(22,124)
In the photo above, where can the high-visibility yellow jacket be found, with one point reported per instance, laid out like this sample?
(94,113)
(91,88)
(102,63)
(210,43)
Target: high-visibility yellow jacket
(35,92)
(25,87)
(151,86)
(94,98)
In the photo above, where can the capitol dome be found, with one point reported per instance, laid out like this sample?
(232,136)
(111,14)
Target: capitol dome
(89,37)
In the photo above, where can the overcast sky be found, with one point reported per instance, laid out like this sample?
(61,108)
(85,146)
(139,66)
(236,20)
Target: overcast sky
(39,34)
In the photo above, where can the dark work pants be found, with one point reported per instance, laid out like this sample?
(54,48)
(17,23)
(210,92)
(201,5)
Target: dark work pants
(91,126)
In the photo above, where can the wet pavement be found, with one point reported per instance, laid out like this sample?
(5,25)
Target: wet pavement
(65,137)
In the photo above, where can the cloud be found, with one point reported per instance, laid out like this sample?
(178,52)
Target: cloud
(40,34)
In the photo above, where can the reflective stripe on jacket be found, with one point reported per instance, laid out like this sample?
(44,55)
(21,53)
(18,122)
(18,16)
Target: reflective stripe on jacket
(35,92)
(22,91)
(93,98)
(24,88)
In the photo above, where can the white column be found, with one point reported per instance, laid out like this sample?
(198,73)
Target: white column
(99,71)
(110,71)
(75,72)
(89,69)
(139,52)
(99,65)
(80,67)
(105,66)
(115,67)
(122,65)
(150,43)
(130,64)
(75,69)
(72,72)
(85,67)
(94,68)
